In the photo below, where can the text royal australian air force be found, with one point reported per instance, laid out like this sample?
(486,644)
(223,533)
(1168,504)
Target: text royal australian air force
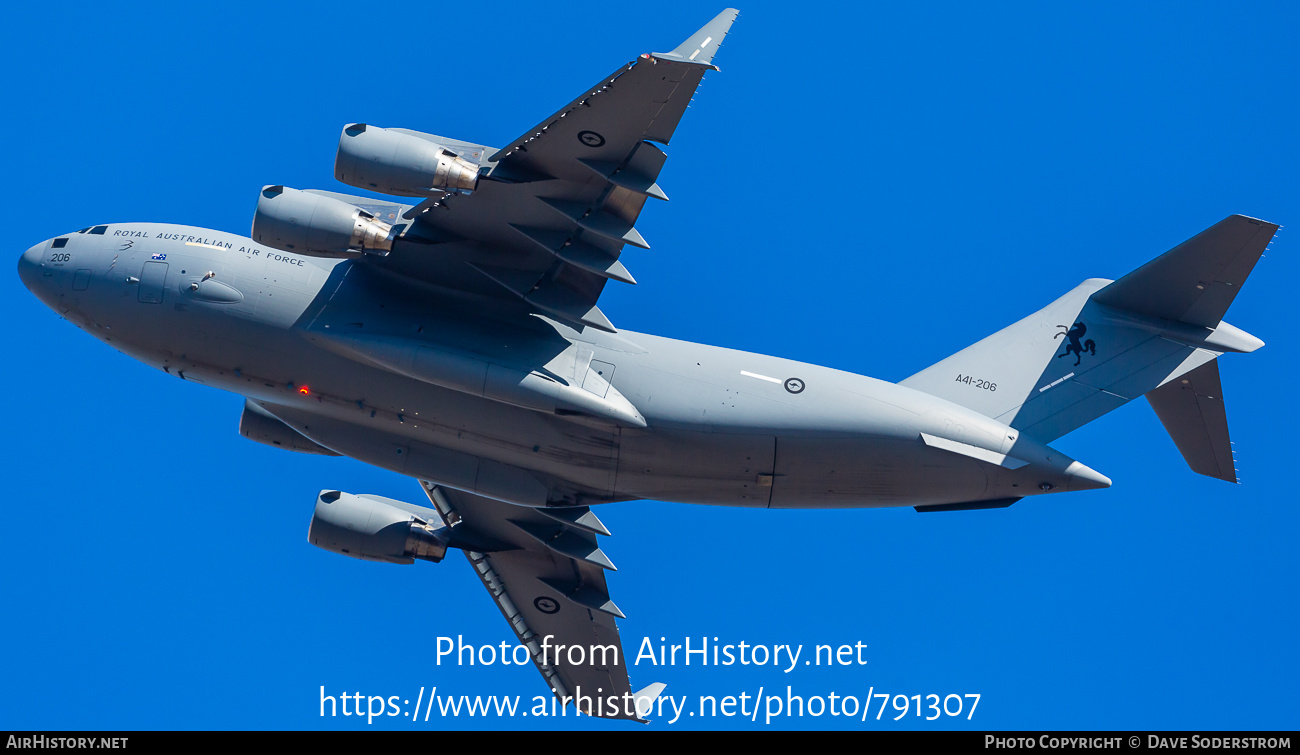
(192,241)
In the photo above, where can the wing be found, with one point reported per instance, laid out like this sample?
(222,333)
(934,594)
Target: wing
(547,576)
(552,211)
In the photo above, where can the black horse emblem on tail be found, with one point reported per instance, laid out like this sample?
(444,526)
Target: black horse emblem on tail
(1074,346)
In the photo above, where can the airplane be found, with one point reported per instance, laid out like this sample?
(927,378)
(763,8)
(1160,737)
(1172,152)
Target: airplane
(457,339)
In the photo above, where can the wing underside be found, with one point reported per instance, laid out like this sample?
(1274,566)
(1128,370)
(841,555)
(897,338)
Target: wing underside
(546,574)
(554,209)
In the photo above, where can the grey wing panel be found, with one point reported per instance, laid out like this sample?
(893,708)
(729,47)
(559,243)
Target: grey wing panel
(1197,280)
(549,220)
(703,44)
(551,595)
(642,100)
(1192,410)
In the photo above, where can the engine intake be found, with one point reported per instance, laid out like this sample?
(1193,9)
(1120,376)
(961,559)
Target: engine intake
(376,529)
(305,223)
(397,163)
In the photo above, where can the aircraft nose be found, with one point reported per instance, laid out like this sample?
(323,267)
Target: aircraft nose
(29,267)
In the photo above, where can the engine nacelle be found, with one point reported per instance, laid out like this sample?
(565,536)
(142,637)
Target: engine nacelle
(304,223)
(392,162)
(258,424)
(376,529)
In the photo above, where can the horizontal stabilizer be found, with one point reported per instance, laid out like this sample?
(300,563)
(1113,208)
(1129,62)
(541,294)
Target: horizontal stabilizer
(1192,410)
(1197,280)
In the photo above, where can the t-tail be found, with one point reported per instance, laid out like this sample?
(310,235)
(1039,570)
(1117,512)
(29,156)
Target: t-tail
(1155,332)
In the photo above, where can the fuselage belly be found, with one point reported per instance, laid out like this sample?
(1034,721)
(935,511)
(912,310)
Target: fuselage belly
(386,374)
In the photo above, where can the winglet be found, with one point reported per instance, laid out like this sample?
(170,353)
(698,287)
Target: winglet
(703,44)
(645,699)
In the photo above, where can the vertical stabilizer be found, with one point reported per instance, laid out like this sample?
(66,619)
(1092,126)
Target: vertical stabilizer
(1106,343)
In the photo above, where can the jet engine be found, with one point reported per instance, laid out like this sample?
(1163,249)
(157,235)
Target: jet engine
(305,223)
(377,529)
(393,162)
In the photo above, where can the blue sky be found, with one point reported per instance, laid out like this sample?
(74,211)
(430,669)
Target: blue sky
(864,186)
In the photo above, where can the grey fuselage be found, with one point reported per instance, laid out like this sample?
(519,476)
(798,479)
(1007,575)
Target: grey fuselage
(401,375)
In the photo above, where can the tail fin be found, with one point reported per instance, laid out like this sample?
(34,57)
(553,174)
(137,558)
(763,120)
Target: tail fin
(1106,343)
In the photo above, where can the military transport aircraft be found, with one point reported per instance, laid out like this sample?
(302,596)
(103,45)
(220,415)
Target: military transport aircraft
(456,339)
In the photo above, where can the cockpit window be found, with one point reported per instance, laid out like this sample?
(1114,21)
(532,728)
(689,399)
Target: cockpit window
(98,230)
(59,243)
